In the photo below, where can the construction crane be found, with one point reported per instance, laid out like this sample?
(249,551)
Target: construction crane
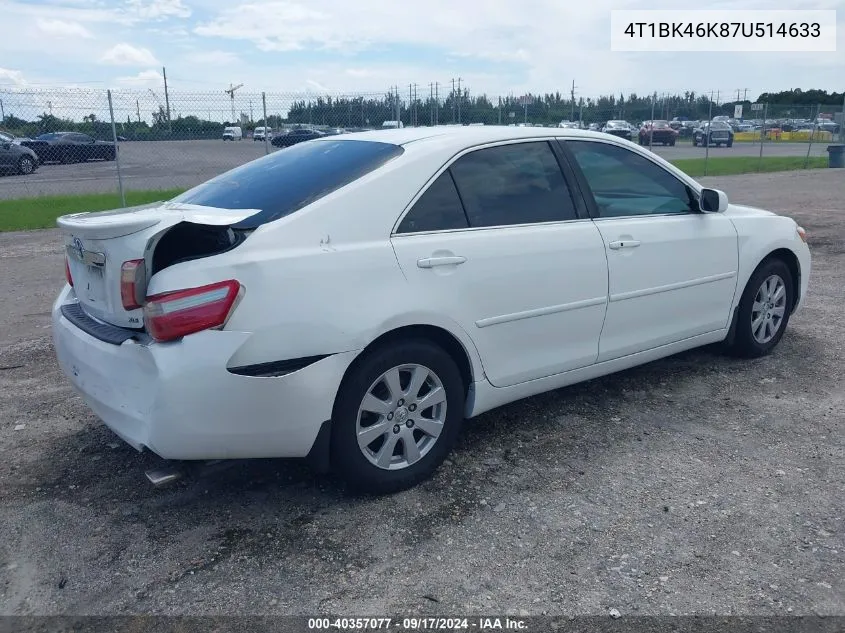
(231,92)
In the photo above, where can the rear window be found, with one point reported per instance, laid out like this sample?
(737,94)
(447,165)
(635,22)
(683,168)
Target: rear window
(287,180)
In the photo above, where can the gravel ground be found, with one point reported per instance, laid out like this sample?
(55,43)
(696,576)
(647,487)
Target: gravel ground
(171,164)
(693,485)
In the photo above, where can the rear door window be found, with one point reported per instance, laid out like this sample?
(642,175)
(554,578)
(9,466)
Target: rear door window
(283,182)
(438,209)
(519,183)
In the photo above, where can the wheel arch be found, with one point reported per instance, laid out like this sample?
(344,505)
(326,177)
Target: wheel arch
(320,455)
(440,336)
(789,258)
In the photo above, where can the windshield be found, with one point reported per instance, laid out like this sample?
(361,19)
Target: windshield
(661,124)
(284,182)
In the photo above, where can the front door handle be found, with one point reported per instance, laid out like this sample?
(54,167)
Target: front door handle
(624,244)
(431,262)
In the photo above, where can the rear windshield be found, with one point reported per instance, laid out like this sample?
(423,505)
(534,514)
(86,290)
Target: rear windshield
(289,179)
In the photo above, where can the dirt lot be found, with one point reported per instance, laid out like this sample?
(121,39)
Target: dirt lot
(693,485)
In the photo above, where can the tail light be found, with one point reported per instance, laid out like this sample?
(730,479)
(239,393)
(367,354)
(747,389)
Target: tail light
(133,275)
(68,276)
(171,315)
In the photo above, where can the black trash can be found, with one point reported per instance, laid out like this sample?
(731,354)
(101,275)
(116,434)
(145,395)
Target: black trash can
(836,155)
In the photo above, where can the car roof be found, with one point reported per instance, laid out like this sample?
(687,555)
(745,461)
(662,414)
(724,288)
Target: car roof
(460,136)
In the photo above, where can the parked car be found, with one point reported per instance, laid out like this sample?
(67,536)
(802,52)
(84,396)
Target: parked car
(8,137)
(328,302)
(292,137)
(715,133)
(262,132)
(653,132)
(622,129)
(15,158)
(70,147)
(233,133)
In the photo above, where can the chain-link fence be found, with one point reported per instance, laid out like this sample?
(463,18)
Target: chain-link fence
(71,141)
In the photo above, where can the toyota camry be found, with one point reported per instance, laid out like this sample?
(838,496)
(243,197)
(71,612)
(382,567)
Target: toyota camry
(354,298)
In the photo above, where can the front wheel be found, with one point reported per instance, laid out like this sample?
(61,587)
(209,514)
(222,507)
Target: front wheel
(396,416)
(26,165)
(764,309)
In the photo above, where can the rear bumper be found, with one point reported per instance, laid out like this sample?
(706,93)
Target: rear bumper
(179,401)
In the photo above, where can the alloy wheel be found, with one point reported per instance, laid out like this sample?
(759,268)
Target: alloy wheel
(768,309)
(401,416)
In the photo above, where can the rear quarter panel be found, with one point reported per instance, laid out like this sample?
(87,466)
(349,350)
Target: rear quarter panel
(324,279)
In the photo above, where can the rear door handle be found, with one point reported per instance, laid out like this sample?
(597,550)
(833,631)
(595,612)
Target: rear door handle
(624,244)
(431,262)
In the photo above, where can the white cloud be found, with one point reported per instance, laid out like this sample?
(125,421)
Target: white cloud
(62,28)
(127,55)
(158,9)
(143,79)
(13,77)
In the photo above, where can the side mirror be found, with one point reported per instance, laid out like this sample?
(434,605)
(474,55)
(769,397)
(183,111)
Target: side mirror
(713,201)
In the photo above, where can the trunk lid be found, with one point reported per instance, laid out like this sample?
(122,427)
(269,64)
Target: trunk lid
(97,244)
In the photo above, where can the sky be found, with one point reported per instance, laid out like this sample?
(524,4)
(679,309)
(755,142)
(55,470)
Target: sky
(498,47)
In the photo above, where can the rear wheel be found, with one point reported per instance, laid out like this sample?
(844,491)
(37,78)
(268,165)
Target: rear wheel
(730,143)
(26,165)
(397,416)
(764,309)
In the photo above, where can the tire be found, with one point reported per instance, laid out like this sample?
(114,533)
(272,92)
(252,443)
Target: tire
(730,143)
(694,142)
(357,465)
(67,158)
(745,343)
(672,143)
(26,165)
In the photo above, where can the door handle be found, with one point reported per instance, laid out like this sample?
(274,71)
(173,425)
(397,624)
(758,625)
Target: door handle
(624,244)
(431,262)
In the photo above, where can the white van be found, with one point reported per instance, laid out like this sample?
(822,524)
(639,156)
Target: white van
(392,124)
(260,133)
(233,133)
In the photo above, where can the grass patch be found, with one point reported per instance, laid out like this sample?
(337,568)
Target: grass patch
(734,165)
(24,214)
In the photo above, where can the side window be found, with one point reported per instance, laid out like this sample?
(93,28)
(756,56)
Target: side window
(80,138)
(624,183)
(438,209)
(513,184)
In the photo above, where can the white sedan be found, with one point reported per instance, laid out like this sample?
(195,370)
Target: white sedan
(354,298)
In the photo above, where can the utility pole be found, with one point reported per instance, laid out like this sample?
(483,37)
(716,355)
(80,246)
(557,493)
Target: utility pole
(250,111)
(50,107)
(138,110)
(166,99)
(231,92)
(431,103)
(460,98)
(436,102)
(453,99)
(2,112)
(572,95)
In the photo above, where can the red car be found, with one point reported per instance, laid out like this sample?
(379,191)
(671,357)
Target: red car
(653,132)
